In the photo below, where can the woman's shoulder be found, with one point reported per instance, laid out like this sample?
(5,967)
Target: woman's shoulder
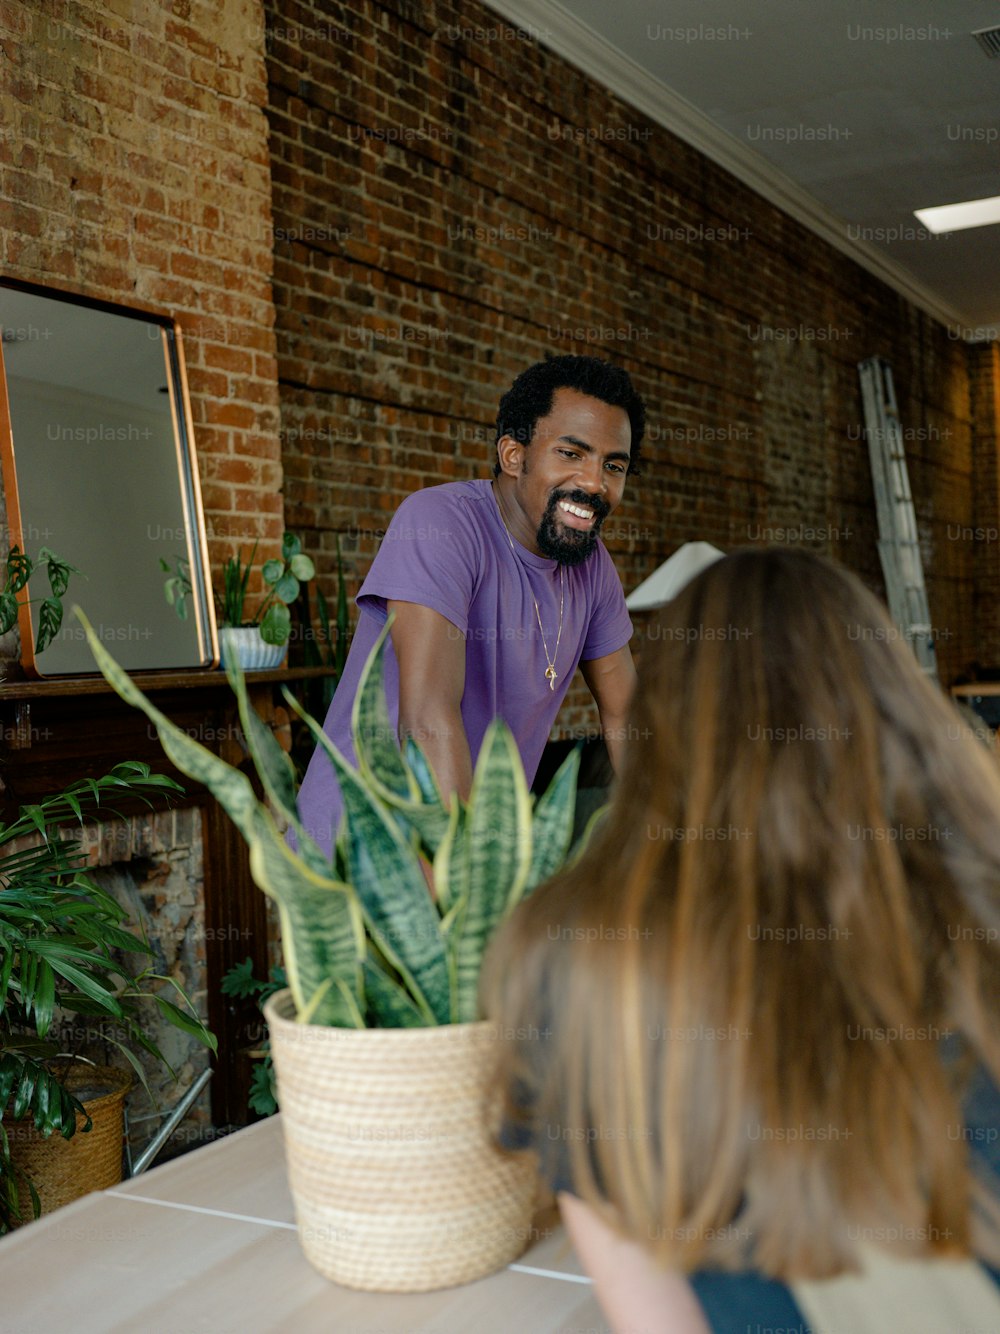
(890,1292)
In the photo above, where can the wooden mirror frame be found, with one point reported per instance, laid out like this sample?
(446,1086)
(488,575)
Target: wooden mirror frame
(176,643)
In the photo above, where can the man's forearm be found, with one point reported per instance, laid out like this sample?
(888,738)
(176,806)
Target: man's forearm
(442,738)
(612,680)
(614,731)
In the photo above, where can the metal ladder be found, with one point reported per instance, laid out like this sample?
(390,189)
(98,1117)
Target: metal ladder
(898,547)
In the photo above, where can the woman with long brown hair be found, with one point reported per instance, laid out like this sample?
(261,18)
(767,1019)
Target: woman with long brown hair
(757,1021)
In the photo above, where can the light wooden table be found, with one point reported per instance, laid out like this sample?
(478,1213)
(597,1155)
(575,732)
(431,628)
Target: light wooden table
(207,1244)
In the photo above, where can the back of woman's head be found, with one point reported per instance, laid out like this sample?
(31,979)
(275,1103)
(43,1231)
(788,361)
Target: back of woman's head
(794,900)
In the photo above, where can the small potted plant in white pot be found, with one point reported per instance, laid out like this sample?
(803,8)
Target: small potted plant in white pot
(382,1062)
(257,640)
(18,569)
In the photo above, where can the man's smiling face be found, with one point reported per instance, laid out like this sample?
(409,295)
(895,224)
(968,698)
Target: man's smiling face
(569,478)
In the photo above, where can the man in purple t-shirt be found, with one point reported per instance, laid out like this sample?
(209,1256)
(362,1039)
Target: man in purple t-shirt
(501,588)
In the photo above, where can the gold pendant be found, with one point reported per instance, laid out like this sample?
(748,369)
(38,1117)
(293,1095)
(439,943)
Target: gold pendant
(550,676)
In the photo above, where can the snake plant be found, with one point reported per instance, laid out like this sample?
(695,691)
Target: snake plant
(365,943)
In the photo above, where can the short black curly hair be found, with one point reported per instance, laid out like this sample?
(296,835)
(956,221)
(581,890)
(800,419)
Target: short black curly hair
(530,397)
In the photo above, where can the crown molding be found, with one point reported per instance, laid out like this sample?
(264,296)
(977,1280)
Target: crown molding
(553,26)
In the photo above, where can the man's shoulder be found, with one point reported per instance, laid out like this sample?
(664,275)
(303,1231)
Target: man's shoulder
(450,516)
(432,552)
(458,498)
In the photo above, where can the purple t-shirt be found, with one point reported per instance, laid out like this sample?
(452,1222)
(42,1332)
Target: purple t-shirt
(447,548)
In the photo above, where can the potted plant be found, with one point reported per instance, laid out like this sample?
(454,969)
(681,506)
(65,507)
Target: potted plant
(18,570)
(61,944)
(381,1059)
(258,640)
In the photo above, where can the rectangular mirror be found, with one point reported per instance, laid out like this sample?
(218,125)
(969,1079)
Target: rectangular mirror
(99,467)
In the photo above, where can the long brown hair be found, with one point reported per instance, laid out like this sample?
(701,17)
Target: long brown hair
(735,1016)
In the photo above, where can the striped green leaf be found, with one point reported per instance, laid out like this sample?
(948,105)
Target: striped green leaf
(423,775)
(320,926)
(388,1000)
(375,741)
(394,896)
(497,838)
(426,813)
(389,903)
(451,862)
(552,827)
(272,764)
(451,884)
(275,769)
(430,823)
(399,785)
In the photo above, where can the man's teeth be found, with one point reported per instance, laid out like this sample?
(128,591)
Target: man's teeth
(576,509)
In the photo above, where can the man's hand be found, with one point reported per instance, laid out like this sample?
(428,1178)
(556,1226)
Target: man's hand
(431,656)
(612,680)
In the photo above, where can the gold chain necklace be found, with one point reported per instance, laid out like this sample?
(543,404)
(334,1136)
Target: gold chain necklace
(551,674)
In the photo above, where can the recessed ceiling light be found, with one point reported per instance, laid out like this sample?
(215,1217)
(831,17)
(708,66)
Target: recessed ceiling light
(956,217)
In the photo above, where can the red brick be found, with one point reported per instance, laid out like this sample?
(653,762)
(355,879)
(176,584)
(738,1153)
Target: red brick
(228,358)
(233,470)
(230,414)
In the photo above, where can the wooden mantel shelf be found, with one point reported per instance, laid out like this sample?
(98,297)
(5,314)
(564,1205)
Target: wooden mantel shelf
(68,703)
(50,686)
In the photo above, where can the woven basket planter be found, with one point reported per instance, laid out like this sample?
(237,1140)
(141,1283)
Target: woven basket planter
(396,1183)
(65,1169)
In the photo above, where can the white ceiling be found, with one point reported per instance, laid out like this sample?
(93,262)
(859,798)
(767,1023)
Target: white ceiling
(908,103)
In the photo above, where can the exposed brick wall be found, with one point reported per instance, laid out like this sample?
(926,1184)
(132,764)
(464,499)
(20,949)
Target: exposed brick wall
(449,209)
(134,168)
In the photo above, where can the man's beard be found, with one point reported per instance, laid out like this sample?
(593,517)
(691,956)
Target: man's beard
(570,546)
